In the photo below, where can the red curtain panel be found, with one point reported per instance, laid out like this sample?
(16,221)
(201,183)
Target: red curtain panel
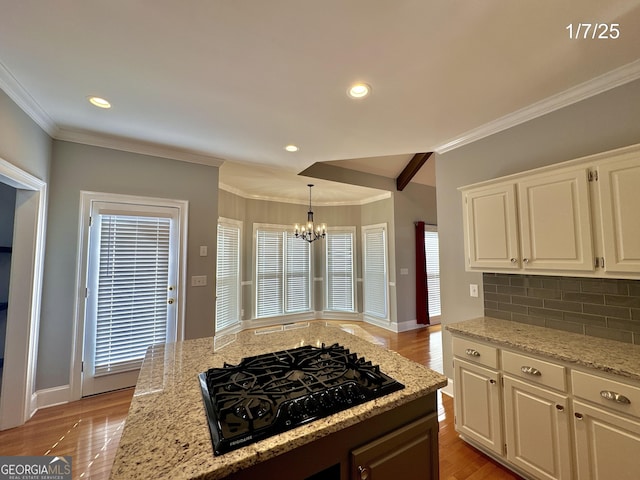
(422,306)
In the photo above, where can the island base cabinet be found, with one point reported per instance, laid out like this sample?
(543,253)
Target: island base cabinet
(607,445)
(537,426)
(409,452)
(477,404)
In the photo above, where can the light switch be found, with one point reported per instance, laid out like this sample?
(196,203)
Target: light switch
(199,281)
(473,289)
(404,271)
(203,250)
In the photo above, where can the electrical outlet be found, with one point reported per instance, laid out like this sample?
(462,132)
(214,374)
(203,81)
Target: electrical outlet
(199,281)
(473,289)
(203,250)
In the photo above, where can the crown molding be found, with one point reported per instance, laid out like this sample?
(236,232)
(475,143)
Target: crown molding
(615,78)
(16,92)
(136,146)
(249,196)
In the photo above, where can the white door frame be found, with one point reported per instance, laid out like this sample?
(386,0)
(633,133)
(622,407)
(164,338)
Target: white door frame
(18,401)
(75,376)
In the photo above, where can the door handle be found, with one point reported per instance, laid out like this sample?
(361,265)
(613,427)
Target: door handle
(170,301)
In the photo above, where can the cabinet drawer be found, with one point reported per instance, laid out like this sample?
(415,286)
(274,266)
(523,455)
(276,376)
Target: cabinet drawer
(475,352)
(610,394)
(534,370)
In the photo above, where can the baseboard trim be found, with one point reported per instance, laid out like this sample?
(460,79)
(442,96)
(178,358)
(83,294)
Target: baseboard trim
(448,389)
(49,397)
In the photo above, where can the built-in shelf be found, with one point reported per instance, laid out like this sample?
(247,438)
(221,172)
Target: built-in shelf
(5,249)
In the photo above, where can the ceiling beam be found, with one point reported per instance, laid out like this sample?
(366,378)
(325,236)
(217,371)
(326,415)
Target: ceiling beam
(411,169)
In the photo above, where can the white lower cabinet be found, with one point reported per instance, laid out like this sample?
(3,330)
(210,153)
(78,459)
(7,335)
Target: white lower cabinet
(607,444)
(537,428)
(477,404)
(545,419)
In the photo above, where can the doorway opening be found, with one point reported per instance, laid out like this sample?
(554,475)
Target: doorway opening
(18,401)
(7,214)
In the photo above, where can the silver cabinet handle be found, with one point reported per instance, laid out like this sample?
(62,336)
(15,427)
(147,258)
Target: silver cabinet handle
(578,415)
(525,260)
(614,397)
(513,260)
(472,352)
(531,371)
(560,408)
(492,381)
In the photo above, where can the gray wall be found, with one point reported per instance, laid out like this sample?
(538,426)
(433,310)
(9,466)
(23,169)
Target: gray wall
(77,167)
(22,142)
(604,122)
(415,203)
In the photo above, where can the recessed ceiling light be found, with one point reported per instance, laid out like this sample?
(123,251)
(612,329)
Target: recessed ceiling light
(99,102)
(291,148)
(359,90)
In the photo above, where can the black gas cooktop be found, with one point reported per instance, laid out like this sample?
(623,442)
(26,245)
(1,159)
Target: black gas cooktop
(268,394)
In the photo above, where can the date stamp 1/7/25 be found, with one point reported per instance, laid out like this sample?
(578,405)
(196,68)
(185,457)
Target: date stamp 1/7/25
(593,31)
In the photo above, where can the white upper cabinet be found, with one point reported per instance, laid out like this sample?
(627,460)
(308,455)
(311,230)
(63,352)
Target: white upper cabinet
(555,221)
(492,225)
(574,218)
(619,188)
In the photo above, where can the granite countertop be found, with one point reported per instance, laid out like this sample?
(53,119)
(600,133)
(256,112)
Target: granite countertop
(606,355)
(166,434)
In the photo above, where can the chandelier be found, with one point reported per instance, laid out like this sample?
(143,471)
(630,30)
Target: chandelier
(309,231)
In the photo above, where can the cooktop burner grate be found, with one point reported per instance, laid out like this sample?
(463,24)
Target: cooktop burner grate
(270,393)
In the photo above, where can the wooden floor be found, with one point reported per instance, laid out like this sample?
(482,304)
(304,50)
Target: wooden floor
(89,430)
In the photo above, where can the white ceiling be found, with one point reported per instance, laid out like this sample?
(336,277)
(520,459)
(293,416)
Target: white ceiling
(239,79)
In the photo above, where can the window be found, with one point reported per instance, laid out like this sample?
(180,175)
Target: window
(375,271)
(283,272)
(339,285)
(432,250)
(228,274)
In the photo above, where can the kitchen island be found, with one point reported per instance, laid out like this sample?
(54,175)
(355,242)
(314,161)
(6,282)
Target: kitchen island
(166,434)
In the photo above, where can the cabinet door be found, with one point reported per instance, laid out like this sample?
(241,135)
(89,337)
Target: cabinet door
(537,430)
(477,404)
(555,221)
(491,233)
(409,452)
(619,187)
(607,445)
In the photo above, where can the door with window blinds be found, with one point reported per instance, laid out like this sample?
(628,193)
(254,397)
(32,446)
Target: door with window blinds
(375,272)
(228,276)
(131,291)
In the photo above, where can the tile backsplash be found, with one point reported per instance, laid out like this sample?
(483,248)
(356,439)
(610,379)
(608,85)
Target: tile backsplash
(607,308)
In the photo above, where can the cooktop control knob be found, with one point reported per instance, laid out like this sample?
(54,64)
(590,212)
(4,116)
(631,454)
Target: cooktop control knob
(326,400)
(311,405)
(295,410)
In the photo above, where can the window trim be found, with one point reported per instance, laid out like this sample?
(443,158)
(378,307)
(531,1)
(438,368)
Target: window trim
(385,230)
(433,228)
(354,290)
(282,229)
(230,222)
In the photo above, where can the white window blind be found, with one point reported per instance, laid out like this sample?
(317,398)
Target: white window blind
(298,273)
(340,275)
(375,272)
(132,290)
(283,273)
(228,276)
(432,251)
(270,268)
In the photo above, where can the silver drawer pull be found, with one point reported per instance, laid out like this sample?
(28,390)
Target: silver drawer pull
(472,352)
(531,371)
(614,397)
